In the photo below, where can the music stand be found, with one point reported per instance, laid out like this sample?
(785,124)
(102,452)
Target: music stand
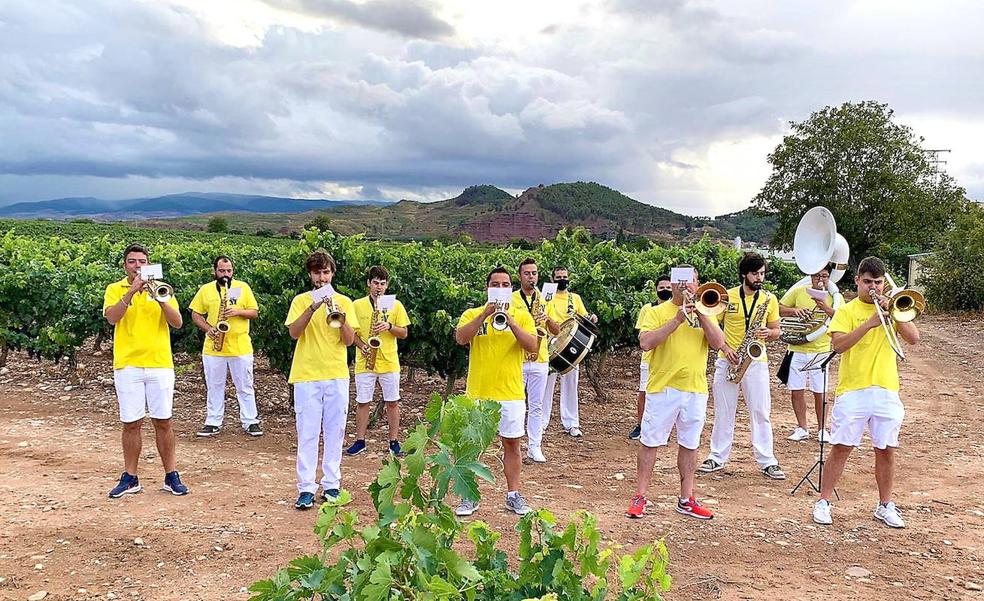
(820,362)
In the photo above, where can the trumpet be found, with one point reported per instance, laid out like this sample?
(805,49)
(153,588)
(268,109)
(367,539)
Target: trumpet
(709,299)
(336,317)
(500,318)
(903,307)
(159,291)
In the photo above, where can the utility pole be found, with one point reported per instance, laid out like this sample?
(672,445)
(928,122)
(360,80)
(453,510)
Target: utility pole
(933,156)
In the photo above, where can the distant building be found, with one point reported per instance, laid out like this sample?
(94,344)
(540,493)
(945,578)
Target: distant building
(917,263)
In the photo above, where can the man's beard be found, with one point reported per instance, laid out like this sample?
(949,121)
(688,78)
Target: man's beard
(754,285)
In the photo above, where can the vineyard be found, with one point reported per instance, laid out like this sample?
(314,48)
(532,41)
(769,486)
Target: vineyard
(52,286)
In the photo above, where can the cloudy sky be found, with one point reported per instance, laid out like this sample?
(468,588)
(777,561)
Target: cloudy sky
(674,102)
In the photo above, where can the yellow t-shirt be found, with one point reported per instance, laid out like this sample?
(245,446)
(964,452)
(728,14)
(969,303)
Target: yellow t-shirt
(207,301)
(799,298)
(680,362)
(734,317)
(387,360)
(646,355)
(495,359)
(320,353)
(870,362)
(141,338)
(563,306)
(519,303)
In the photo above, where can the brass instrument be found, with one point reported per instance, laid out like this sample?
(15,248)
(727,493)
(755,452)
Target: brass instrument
(222,326)
(500,318)
(709,299)
(750,348)
(800,330)
(158,291)
(903,307)
(336,317)
(540,320)
(374,342)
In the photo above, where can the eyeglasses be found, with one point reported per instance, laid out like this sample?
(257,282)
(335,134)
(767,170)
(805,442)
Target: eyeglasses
(822,277)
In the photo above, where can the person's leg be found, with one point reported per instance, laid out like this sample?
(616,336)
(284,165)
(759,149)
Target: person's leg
(848,420)
(569,417)
(725,406)
(365,388)
(758,399)
(215,380)
(160,402)
(389,385)
(885,473)
(132,400)
(689,425)
(511,462)
(645,461)
(548,396)
(885,426)
(686,465)
(307,413)
(336,400)
(535,376)
(833,467)
(799,407)
(818,408)
(659,415)
(132,444)
(241,368)
(640,404)
(164,435)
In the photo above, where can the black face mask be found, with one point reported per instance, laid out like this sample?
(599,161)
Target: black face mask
(562,284)
(664,295)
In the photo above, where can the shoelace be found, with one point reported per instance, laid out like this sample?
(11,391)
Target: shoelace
(638,501)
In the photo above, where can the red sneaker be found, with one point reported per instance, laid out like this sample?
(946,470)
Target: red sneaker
(636,507)
(694,509)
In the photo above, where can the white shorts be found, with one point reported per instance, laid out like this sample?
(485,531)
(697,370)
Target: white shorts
(643,376)
(878,408)
(512,419)
(144,391)
(805,380)
(672,407)
(365,386)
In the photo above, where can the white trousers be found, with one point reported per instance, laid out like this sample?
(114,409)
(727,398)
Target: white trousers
(568,399)
(320,409)
(535,379)
(241,368)
(758,400)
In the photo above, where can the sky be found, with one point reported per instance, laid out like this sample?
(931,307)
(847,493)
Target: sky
(676,103)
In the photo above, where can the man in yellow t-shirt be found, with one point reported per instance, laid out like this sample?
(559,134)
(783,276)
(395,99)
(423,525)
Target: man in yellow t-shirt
(797,302)
(867,392)
(676,393)
(391,324)
(664,292)
(495,373)
(744,302)
(320,375)
(143,369)
(535,367)
(563,306)
(229,352)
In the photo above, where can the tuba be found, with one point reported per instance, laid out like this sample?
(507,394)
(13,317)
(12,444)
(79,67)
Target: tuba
(222,325)
(336,317)
(904,306)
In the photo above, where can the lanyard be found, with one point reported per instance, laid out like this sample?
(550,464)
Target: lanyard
(528,303)
(748,310)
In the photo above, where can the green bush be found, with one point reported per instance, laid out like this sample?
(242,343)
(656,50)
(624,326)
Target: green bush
(953,276)
(409,550)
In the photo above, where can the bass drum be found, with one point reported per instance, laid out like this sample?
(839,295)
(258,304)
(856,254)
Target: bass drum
(571,344)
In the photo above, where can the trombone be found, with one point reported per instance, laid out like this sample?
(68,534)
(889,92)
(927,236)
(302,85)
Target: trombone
(709,299)
(903,307)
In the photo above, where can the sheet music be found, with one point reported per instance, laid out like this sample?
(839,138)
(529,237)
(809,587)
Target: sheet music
(683,274)
(386,302)
(323,293)
(500,295)
(234,293)
(548,291)
(154,271)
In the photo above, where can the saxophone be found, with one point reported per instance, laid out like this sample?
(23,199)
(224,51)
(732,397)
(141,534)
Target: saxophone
(540,319)
(374,341)
(222,325)
(750,348)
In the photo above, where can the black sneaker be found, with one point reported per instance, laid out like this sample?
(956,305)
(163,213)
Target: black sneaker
(128,485)
(254,430)
(395,448)
(329,494)
(709,466)
(356,448)
(207,431)
(636,432)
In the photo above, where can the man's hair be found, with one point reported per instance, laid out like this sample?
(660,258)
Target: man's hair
(499,269)
(526,261)
(749,263)
(215,263)
(318,260)
(662,278)
(873,266)
(135,248)
(377,272)
(829,268)
(559,268)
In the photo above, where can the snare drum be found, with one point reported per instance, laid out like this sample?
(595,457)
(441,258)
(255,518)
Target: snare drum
(571,344)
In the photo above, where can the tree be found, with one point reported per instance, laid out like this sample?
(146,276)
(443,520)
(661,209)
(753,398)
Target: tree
(953,275)
(218,225)
(320,223)
(871,172)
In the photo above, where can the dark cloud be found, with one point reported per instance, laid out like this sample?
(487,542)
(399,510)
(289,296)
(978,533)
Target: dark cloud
(409,18)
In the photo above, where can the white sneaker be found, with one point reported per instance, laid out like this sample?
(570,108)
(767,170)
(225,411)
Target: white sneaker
(536,454)
(823,436)
(466,508)
(890,515)
(575,432)
(798,434)
(821,512)
(517,504)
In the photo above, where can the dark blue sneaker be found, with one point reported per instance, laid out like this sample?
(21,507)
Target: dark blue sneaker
(395,448)
(330,494)
(172,484)
(305,500)
(128,485)
(356,448)
(636,432)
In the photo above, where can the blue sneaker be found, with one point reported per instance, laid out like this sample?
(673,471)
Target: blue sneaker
(172,484)
(395,448)
(305,500)
(330,494)
(128,485)
(356,448)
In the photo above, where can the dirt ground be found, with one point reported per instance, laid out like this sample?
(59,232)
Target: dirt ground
(59,446)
